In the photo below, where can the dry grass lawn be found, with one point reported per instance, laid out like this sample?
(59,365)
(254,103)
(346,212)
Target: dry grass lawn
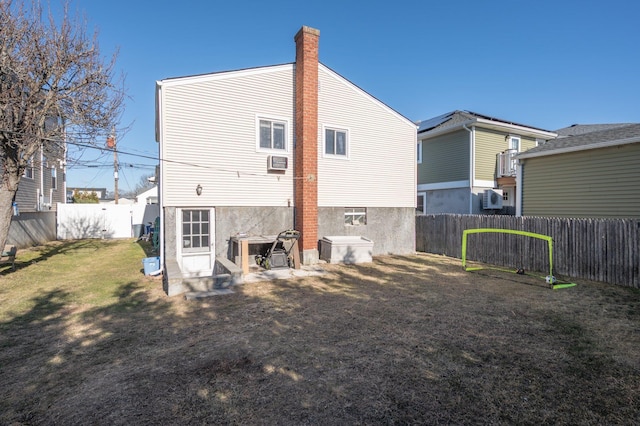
(403,340)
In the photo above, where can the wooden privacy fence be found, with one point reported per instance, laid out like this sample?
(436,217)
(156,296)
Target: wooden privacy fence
(605,250)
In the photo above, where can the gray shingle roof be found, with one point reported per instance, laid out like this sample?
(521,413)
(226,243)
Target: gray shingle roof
(453,118)
(607,137)
(580,129)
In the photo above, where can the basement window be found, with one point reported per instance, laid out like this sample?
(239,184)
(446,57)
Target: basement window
(195,230)
(355,216)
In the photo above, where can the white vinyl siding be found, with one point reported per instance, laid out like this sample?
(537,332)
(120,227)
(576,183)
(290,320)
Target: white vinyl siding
(208,126)
(208,129)
(382,149)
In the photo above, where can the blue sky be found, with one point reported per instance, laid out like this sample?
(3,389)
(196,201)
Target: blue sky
(548,64)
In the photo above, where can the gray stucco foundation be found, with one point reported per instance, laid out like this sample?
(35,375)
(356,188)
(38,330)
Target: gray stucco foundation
(391,229)
(231,221)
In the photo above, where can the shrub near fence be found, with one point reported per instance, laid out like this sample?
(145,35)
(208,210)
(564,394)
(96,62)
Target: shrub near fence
(605,250)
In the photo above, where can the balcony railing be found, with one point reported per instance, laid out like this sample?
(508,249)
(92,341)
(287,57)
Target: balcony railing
(507,163)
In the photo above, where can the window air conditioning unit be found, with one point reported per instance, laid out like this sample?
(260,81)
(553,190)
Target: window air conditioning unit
(492,199)
(275,162)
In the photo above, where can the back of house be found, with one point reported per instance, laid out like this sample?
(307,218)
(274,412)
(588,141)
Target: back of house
(253,152)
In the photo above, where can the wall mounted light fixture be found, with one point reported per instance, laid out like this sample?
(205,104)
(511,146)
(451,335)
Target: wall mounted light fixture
(199,189)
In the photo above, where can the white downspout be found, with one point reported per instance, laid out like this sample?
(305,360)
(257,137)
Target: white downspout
(158,181)
(64,168)
(472,169)
(41,188)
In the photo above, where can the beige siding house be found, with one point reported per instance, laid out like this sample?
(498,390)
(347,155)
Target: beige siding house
(594,174)
(245,153)
(467,162)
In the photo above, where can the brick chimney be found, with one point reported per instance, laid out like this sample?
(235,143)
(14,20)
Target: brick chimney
(306,147)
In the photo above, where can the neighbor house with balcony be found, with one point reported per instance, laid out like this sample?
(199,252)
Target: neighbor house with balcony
(467,165)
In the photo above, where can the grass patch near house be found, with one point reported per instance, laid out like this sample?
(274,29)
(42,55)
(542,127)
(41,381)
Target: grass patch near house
(77,273)
(86,338)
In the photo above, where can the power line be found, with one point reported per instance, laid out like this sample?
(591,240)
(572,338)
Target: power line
(184,163)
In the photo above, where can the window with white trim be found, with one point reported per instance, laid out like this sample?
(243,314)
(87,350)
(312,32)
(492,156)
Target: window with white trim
(419,153)
(195,230)
(421,204)
(272,134)
(28,171)
(355,216)
(514,143)
(336,142)
(54,178)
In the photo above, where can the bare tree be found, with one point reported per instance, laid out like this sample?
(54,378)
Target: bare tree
(145,182)
(55,86)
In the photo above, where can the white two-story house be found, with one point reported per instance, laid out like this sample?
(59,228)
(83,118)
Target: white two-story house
(294,146)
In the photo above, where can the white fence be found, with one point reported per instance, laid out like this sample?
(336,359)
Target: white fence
(78,221)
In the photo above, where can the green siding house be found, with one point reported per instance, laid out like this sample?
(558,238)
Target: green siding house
(466,162)
(592,174)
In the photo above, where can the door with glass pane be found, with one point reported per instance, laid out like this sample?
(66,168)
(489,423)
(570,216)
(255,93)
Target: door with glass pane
(196,241)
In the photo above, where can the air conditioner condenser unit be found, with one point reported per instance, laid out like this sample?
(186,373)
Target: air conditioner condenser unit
(492,199)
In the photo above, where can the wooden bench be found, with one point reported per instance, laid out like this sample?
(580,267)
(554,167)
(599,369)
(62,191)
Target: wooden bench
(9,256)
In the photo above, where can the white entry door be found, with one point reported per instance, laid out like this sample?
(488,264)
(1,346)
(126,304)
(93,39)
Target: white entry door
(196,242)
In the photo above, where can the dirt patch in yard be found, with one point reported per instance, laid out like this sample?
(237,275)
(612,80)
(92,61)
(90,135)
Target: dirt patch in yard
(405,339)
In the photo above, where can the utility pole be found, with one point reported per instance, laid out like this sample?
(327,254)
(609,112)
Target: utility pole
(111,143)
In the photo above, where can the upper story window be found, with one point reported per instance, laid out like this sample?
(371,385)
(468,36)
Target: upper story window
(336,142)
(54,178)
(28,171)
(514,143)
(419,153)
(272,134)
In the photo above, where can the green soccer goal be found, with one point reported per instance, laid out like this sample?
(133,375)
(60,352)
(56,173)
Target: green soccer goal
(549,278)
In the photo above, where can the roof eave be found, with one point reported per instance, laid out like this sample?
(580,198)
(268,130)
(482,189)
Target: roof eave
(219,75)
(520,130)
(428,134)
(484,123)
(568,149)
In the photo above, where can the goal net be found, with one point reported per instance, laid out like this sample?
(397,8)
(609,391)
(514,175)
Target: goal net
(468,232)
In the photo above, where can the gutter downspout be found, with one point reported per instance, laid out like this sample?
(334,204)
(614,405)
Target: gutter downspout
(472,171)
(519,188)
(158,181)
